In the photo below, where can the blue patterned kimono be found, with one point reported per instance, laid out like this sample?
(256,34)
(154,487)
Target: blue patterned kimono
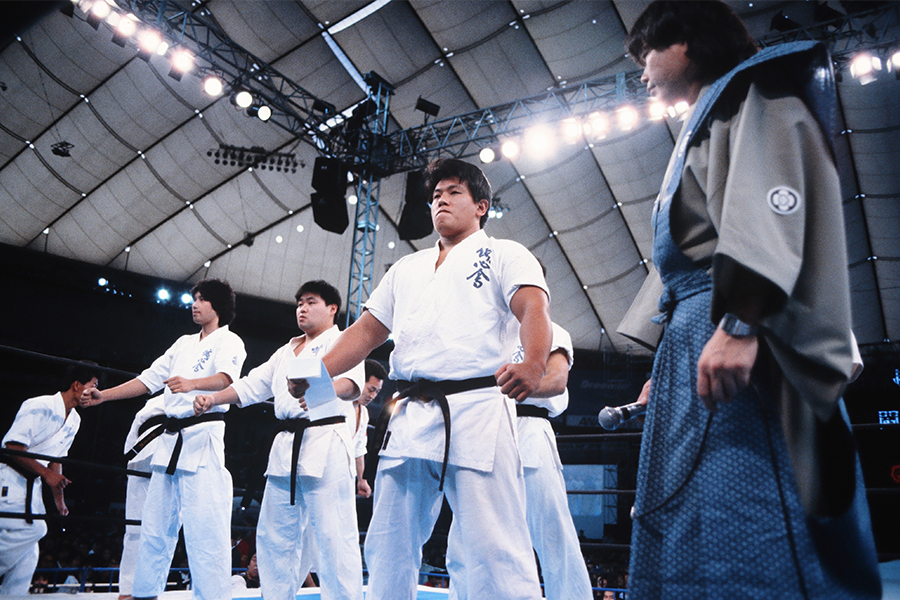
(718,512)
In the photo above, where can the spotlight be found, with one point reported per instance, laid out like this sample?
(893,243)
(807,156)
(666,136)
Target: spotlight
(102,282)
(148,41)
(539,141)
(429,108)
(864,67)
(163,294)
(124,30)
(510,149)
(893,63)
(99,11)
(243,99)
(656,110)
(486,155)
(182,62)
(352,199)
(212,85)
(571,131)
(186,298)
(262,112)
(599,124)
(627,118)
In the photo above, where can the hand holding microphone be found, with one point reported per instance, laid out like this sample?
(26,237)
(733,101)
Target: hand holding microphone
(613,416)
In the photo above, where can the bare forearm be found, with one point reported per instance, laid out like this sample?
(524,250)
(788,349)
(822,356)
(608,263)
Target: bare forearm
(535,331)
(555,378)
(354,344)
(360,466)
(213,383)
(129,389)
(227,396)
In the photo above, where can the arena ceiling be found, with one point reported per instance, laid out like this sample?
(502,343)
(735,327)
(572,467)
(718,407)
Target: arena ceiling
(138,174)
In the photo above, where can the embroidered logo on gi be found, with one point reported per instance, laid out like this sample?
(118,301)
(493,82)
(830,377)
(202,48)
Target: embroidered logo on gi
(205,357)
(783,200)
(315,351)
(482,267)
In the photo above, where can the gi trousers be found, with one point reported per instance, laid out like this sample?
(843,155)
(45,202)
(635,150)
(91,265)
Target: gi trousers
(135,495)
(326,504)
(550,523)
(202,502)
(19,557)
(488,508)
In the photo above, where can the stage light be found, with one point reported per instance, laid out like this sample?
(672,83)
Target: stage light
(99,11)
(162,294)
(148,42)
(352,199)
(391,245)
(125,29)
(186,298)
(207,264)
(540,141)
(510,149)
(599,125)
(264,113)
(486,155)
(571,131)
(893,63)
(278,239)
(212,85)
(864,67)
(242,99)
(656,110)
(102,282)
(182,62)
(627,118)
(299,228)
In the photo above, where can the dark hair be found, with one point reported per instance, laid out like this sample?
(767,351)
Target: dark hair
(81,371)
(374,369)
(327,292)
(220,295)
(452,168)
(717,39)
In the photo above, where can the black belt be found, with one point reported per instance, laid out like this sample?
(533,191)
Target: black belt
(297,427)
(530,410)
(430,390)
(29,476)
(174,425)
(157,421)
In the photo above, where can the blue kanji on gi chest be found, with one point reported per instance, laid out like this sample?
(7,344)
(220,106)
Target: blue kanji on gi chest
(205,357)
(482,266)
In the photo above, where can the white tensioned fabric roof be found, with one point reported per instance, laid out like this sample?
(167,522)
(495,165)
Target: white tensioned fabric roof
(139,175)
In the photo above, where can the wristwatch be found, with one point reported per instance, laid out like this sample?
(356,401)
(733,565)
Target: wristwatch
(733,326)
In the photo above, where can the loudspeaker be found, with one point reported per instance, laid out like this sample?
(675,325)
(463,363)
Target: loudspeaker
(330,212)
(329,176)
(415,220)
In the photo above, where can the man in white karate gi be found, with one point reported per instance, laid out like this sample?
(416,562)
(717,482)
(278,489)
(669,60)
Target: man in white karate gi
(44,425)
(189,484)
(310,475)
(453,428)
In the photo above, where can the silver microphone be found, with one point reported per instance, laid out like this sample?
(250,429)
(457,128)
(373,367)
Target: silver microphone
(613,416)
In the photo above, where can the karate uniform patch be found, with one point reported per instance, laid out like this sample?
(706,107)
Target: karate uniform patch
(783,200)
